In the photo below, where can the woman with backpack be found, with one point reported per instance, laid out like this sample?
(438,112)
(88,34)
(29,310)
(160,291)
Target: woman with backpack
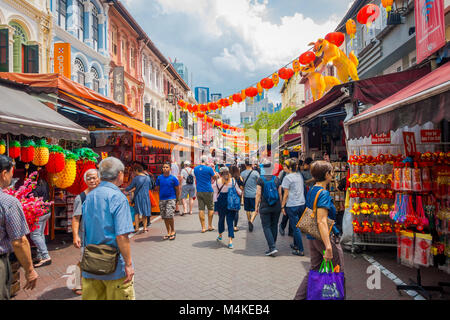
(227,197)
(187,186)
(236,174)
(268,205)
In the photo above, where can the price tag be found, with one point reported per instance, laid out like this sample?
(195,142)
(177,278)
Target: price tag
(409,141)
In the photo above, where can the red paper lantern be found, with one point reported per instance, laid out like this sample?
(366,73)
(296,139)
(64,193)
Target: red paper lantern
(209,120)
(307,57)
(285,73)
(27,151)
(200,115)
(251,92)
(181,103)
(14,149)
(336,38)
(195,108)
(213,106)
(217,123)
(56,160)
(267,83)
(225,126)
(368,14)
(79,184)
(237,97)
(203,108)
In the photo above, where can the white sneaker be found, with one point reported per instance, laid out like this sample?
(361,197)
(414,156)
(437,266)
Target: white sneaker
(271,253)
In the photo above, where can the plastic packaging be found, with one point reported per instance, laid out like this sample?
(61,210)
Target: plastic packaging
(407,179)
(416,178)
(422,251)
(406,243)
(397,179)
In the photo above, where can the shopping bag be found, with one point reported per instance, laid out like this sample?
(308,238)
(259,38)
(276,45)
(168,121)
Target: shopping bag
(325,284)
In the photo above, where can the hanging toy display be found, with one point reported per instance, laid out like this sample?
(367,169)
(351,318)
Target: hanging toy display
(87,160)
(2,146)
(41,154)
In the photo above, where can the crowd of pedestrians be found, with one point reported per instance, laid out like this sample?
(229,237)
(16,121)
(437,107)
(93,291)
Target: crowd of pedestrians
(103,215)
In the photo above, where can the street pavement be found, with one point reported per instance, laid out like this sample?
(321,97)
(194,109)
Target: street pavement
(197,267)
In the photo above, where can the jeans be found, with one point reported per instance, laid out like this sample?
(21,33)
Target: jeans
(39,239)
(269,223)
(236,218)
(294,215)
(284,222)
(229,216)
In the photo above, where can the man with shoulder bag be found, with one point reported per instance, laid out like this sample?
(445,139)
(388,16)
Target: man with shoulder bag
(106,264)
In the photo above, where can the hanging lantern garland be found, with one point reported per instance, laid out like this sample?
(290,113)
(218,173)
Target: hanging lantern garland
(368,14)
(336,38)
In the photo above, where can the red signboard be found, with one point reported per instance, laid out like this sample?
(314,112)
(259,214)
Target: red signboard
(410,143)
(384,138)
(430,136)
(430,27)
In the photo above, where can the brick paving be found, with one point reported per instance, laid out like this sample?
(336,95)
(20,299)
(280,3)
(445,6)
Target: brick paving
(197,267)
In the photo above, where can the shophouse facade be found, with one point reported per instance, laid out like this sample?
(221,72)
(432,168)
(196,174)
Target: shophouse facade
(25,36)
(83,24)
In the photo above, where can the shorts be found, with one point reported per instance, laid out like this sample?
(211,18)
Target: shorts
(249,204)
(94,289)
(205,199)
(167,208)
(188,189)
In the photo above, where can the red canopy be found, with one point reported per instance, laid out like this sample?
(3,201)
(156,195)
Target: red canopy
(426,99)
(54,82)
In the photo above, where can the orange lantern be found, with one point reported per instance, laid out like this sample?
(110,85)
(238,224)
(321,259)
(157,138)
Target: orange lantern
(209,120)
(181,103)
(350,27)
(307,57)
(213,106)
(259,88)
(200,115)
(217,123)
(225,126)
(368,14)
(237,97)
(243,95)
(203,108)
(251,92)
(195,108)
(285,73)
(296,66)
(387,4)
(275,79)
(336,38)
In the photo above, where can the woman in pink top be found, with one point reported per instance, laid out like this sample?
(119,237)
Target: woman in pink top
(221,187)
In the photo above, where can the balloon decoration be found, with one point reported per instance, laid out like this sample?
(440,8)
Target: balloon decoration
(336,38)
(368,14)
(2,146)
(41,154)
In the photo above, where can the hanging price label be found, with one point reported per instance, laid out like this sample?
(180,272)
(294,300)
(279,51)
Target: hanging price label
(409,141)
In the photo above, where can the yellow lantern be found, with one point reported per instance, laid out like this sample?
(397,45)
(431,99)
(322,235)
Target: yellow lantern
(275,79)
(387,4)
(259,88)
(296,66)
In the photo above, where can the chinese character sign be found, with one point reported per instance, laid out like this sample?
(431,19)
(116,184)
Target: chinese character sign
(118,84)
(430,27)
(62,63)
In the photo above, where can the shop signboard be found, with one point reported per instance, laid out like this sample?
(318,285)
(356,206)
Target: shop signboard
(62,61)
(383,138)
(118,84)
(430,136)
(430,27)
(409,141)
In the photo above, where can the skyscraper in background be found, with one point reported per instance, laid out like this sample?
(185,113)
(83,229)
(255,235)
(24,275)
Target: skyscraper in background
(182,71)
(215,97)
(202,95)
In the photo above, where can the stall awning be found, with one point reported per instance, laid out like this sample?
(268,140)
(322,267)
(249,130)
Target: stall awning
(56,83)
(427,99)
(145,130)
(21,113)
(367,91)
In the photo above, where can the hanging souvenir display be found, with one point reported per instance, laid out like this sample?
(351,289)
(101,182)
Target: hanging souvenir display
(27,152)
(87,160)
(56,161)
(14,149)
(66,177)
(41,154)
(2,146)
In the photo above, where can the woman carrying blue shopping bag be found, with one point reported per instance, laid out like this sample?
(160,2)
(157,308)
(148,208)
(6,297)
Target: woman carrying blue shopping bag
(327,247)
(228,201)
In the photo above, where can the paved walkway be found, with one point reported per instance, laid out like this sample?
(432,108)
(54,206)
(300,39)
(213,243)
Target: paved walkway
(196,267)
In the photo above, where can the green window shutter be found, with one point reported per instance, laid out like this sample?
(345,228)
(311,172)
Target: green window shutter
(31,59)
(4,50)
(17,54)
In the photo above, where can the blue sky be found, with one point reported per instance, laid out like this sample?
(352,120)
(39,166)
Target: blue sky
(229,45)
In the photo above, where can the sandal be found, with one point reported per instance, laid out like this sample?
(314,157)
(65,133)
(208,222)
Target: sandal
(166,237)
(236,229)
(77,292)
(211,229)
(172,237)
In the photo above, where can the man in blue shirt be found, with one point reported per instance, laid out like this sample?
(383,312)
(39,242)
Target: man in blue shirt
(205,194)
(169,191)
(107,220)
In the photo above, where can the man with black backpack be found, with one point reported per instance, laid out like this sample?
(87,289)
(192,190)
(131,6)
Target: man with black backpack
(187,187)
(268,205)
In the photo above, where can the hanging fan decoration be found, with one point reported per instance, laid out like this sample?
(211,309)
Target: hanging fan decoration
(27,152)
(66,177)
(2,146)
(87,160)
(56,160)
(41,154)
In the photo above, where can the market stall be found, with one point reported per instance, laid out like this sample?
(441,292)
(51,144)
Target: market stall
(400,167)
